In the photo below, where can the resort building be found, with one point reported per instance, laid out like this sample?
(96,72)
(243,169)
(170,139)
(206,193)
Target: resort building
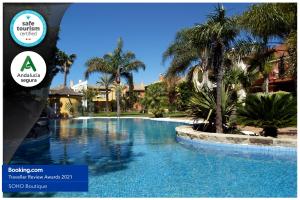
(64,101)
(99,91)
(99,100)
(278,79)
(139,92)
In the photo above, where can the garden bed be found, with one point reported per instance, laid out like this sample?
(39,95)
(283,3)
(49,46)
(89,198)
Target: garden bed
(188,132)
(288,132)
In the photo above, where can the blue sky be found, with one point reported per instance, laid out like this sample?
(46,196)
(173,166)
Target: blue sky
(90,30)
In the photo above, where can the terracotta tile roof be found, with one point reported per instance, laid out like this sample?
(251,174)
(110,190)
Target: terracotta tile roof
(136,87)
(140,87)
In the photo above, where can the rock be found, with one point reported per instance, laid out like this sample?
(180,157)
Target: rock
(248,133)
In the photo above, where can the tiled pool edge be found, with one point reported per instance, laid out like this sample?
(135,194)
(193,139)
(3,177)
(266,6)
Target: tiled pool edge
(166,119)
(185,134)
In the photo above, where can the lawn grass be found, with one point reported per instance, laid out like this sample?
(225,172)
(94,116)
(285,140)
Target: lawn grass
(123,114)
(137,114)
(176,114)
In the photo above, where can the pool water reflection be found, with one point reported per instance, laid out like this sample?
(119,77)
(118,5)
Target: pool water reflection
(141,158)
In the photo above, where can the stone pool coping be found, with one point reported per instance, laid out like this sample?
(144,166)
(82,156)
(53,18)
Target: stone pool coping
(188,133)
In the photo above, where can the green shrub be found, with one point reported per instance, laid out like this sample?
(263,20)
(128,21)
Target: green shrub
(157,112)
(184,92)
(202,105)
(155,99)
(268,111)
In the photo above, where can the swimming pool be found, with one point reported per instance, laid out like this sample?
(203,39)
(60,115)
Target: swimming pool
(142,158)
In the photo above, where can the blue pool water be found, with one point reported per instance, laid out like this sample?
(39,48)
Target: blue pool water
(142,158)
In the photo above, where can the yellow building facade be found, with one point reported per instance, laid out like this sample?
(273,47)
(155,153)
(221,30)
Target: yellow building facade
(65,102)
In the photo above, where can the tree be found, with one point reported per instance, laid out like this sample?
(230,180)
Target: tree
(88,96)
(258,56)
(222,31)
(118,64)
(185,55)
(265,22)
(155,99)
(206,44)
(170,85)
(292,60)
(289,13)
(184,91)
(130,99)
(64,62)
(106,81)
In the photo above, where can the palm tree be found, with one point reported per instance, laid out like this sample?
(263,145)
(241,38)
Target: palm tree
(155,99)
(206,44)
(289,13)
(106,81)
(258,56)
(88,96)
(222,31)
(185,55)
(64,62)
(266,21)
(118,64)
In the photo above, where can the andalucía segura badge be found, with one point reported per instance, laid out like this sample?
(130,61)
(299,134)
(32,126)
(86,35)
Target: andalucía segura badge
(28,28)
(28,68)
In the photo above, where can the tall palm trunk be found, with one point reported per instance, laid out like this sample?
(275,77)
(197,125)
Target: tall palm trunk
(106,100)
(130,106)
(118,80)
(65,75)
(131,87)
(219,122)
(266,83)
(118,100)
(265,75)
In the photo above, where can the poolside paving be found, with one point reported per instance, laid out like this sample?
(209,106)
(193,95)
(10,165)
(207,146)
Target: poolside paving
(188,132)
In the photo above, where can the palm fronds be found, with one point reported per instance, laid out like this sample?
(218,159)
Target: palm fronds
(203,105)
(268,110)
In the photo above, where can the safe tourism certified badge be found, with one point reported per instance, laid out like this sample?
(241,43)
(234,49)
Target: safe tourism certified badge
(28,68)
(28,28)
